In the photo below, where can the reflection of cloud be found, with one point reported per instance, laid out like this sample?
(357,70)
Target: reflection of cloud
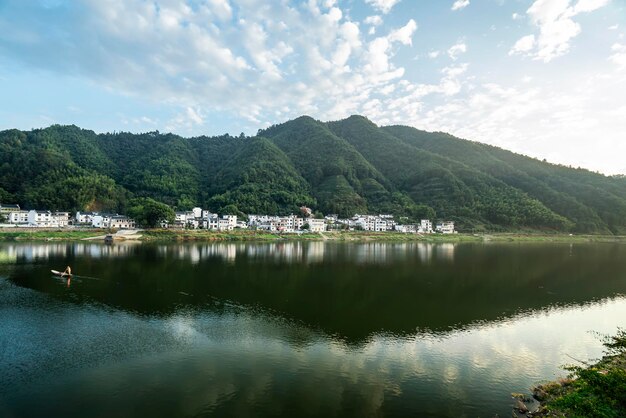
(243,363)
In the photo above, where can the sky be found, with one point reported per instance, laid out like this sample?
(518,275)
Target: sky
(546,78)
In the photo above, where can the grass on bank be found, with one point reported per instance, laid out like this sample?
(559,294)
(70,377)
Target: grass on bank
(34,234)
(177,235)
(590,391)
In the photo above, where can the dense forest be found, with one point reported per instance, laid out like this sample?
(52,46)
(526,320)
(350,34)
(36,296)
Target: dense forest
(343,167)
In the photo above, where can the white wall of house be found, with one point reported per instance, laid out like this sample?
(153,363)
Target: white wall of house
(317,225)
(446,227)
(121,222)
(101,221)
(40,218)
(84,217)
(18,218)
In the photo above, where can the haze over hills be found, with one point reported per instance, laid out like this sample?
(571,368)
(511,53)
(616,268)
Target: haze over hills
(344,167)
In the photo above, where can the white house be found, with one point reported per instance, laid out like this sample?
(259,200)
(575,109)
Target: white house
(445,227)
(61,219)
(101,220)
(40,218)
(6,209)
(84,218)
(18,217)
(425,226)
(407,229)
(227,223)
(121,222)
(317,225)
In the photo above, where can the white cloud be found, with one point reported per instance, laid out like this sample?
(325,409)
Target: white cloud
(460,4)
(613,27)
(618,57)
(455,50)
(584,6)
(433,54)
(523,45)
(554,19)
(516,16)
(404,35)
(383,6)
(375,20)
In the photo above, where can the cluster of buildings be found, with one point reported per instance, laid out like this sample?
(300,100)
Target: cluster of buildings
(16,216)
(375,223)
(199,218)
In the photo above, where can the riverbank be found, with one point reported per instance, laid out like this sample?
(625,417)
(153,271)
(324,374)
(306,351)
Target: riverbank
(177,235)
(591,390)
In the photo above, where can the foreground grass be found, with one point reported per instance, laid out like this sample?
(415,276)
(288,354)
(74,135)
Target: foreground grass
(593,390)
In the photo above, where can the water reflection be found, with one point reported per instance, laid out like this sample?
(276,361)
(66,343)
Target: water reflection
(297,328)
(61,359)
(40,252)
(279,252)
(352,291)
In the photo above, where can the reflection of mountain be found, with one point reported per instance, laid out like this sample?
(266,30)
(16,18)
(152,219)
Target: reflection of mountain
(348,290)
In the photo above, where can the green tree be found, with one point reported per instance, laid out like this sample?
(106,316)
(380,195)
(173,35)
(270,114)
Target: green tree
(150,213)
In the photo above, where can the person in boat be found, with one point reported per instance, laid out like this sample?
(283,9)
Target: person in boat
(67,272)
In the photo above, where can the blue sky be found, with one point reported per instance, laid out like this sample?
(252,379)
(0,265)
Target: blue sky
(546,78)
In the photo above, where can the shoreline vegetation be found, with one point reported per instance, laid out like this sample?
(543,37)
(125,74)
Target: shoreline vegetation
(590,390)
(182,235)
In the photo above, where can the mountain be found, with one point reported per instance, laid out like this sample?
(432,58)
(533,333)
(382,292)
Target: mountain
(344,167)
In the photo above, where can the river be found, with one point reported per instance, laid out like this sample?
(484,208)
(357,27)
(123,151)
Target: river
(297,328)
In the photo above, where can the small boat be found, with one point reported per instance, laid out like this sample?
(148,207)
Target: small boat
(108,239)
(58,273)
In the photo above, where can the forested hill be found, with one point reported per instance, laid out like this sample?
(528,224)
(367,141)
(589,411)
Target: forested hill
(344,167)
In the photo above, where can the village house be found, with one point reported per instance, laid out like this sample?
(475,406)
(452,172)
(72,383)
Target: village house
(445,227)
(121,222)
(316,225)
(61,219)
(84,218)
(6,209)
(40,218)
(425,227)
(407,229)
(18,217)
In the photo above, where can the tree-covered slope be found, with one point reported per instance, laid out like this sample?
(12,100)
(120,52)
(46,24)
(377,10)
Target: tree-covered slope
(259,178)
(341,179)
(593,202)
(453,189)
(345,167)
(38,171)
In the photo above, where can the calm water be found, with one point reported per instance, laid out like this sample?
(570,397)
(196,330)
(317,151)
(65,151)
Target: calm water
(297,329)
